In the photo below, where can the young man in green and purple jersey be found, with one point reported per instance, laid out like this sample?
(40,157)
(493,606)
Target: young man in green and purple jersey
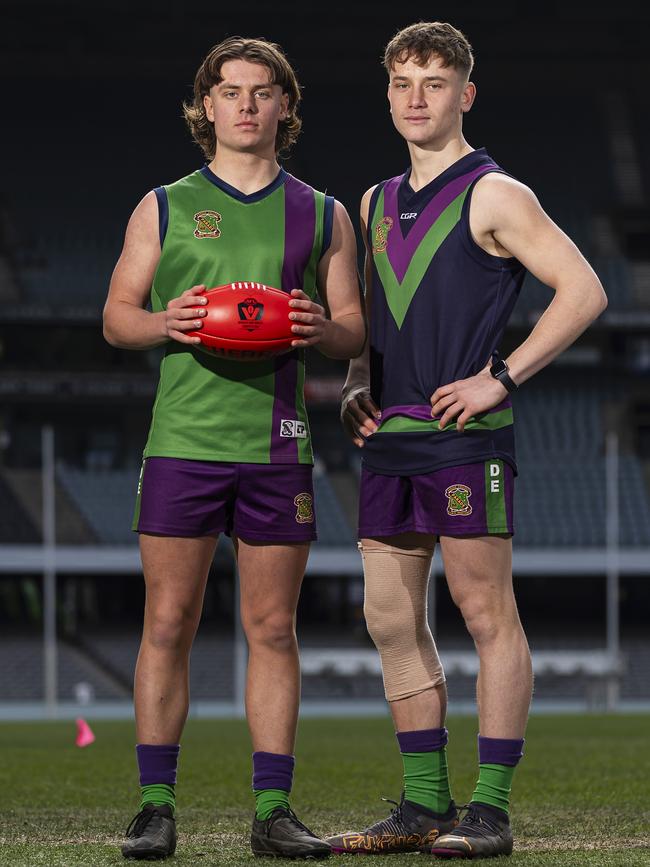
(448,243)
(229,448)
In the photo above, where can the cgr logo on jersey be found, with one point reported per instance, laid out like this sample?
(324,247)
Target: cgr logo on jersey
(305,508)
(250,312)
(207,224)
(293,429)
(458,500)
(382,229)
(408,216)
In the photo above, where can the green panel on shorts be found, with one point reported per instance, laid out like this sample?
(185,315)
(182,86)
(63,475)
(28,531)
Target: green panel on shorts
(495,501)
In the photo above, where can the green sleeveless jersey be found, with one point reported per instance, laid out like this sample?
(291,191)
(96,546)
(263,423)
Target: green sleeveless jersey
(214,409)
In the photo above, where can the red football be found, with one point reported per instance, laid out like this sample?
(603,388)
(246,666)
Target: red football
(246,321)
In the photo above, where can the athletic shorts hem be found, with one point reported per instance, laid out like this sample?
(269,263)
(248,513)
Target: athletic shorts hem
(257,537)
(274,537)
(366,532)
(183,533)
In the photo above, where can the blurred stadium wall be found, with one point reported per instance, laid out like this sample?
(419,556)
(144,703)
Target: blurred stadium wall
(94,101)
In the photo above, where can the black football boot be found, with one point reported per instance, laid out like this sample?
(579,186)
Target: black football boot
(283,835)
(151,834)
(483,832)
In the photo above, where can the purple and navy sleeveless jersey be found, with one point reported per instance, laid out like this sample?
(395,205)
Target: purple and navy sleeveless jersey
(438,309)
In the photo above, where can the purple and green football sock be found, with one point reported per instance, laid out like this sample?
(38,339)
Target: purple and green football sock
(272,780)
(426,778)
(158,764)
(498,758)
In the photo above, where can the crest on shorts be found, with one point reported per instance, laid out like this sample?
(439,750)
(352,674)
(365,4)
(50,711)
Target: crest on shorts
(458,500)
(206,224)
(382,229)
(305,508)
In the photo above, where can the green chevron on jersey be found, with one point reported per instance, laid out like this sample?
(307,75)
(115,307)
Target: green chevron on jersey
(400,294)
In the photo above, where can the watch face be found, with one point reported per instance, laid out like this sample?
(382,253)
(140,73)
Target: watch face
(498,367)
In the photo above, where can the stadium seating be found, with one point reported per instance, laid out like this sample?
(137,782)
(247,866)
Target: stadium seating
(333,528)
(21,674)
(106,500)
(16,527)
(26,486)
(211,665)
(561,503)
(614,273)
(560,494)
(70,268)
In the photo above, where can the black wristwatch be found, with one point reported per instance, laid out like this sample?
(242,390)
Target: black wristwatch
(500,371)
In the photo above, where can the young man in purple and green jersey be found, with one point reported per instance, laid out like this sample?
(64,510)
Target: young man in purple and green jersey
(448,243)
(229,447)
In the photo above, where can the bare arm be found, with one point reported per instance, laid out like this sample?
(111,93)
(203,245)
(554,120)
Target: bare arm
(507,219)
(525,231)
(358,411)
(127,324)
(340,334)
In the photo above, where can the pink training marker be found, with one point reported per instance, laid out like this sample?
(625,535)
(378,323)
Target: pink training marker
(85,735)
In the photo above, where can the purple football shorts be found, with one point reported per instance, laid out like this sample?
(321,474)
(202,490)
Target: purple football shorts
(262,502)
(470,500)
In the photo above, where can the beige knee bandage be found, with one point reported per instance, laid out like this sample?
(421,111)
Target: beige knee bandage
(396,582)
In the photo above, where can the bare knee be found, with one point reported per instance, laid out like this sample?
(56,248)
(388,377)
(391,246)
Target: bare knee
(273,631)
(488,618)
(170,629)
(481,622)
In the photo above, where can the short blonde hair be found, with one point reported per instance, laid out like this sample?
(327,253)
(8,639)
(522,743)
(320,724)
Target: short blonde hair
(425,40)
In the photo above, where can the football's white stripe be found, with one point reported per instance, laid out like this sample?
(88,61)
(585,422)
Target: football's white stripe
(249,285)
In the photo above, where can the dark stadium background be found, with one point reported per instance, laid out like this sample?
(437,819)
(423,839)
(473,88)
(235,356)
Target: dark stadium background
(92,99)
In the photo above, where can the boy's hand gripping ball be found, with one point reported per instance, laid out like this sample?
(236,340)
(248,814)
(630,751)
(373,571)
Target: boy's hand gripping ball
(246,321)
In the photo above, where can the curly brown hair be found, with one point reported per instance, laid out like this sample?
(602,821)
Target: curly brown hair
(427,39)
(260,51)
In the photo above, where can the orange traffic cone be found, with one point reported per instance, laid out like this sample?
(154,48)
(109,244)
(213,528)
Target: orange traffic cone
(85,734)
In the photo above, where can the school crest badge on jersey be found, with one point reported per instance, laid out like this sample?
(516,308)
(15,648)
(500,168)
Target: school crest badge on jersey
(458,500)
(207,224)
(305,508)
(382,229)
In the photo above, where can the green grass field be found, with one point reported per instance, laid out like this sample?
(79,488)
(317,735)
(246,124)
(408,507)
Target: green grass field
(581,795)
